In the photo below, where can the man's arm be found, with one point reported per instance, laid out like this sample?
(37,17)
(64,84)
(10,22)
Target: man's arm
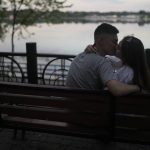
(118,88)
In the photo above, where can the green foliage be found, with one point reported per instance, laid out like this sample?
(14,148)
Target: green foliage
(29,11)
(26,12)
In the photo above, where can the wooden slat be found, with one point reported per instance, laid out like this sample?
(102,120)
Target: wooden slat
(47,90)
(137,99)
(55,127)
(137,109)
(58,102)
(68,116)
(133,121)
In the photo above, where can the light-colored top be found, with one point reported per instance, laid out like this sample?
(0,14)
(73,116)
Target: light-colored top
(90,71)
(124,73)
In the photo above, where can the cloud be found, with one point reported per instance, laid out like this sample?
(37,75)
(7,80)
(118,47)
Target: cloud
(109,5)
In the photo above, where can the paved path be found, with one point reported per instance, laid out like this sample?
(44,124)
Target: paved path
(43,141)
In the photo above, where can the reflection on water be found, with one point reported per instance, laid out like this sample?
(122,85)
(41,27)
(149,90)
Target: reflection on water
(70,38)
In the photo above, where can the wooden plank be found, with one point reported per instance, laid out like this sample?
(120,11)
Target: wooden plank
(137,99)
(58,102)
(137,109)
(69,116)
(48,90)
(55,127)
(133,121)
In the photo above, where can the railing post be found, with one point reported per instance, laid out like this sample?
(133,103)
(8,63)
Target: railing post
(31,63)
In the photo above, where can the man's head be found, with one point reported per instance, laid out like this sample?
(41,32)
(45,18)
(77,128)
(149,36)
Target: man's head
(105,38)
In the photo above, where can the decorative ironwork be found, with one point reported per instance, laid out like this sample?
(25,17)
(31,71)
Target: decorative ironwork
(55,71)
(52,69)
(10,70)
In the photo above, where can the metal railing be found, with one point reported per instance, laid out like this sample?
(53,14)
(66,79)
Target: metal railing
(31,67)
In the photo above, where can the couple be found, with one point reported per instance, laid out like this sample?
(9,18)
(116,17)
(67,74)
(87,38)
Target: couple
(95,71)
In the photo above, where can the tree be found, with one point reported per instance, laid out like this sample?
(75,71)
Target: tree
(3,26)
(26,12)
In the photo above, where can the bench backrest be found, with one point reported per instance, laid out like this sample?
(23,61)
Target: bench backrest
(82,112)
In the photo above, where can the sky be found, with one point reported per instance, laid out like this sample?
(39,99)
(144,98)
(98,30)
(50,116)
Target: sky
(108,5)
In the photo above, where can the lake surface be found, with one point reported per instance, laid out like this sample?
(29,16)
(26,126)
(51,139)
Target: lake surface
(70,38)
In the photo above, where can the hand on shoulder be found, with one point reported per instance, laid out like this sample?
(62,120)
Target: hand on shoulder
(90,49)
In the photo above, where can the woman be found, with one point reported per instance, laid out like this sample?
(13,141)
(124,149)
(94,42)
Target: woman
(132,54)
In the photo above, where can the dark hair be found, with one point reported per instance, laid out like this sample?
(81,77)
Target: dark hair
(133,55)
(105,28)
(147,51)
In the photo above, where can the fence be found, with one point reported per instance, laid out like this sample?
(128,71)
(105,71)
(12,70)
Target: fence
(31,67)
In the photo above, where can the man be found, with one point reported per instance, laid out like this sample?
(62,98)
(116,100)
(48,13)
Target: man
(93,70)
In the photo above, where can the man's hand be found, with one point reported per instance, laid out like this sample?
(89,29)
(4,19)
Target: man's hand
(90,49)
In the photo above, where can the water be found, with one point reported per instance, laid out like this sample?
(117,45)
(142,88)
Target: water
(70,38)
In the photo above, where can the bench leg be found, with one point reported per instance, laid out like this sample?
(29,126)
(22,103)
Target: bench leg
(23,134)
(15,134)
(1,129)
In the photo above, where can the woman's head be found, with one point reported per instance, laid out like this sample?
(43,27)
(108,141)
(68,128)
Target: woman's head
(131,50)
(132,54)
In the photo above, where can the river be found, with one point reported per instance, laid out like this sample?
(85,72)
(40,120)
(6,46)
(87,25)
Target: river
(69,38)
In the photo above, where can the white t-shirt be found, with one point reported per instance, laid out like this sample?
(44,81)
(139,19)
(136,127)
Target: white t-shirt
(124,73)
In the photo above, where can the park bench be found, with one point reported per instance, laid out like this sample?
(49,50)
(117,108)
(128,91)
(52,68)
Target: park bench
(58,110)
(75,112)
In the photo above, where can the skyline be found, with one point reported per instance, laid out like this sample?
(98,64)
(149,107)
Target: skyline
(108,5)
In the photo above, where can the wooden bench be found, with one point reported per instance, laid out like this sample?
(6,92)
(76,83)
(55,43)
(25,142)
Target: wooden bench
(57,110)
(76,112)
